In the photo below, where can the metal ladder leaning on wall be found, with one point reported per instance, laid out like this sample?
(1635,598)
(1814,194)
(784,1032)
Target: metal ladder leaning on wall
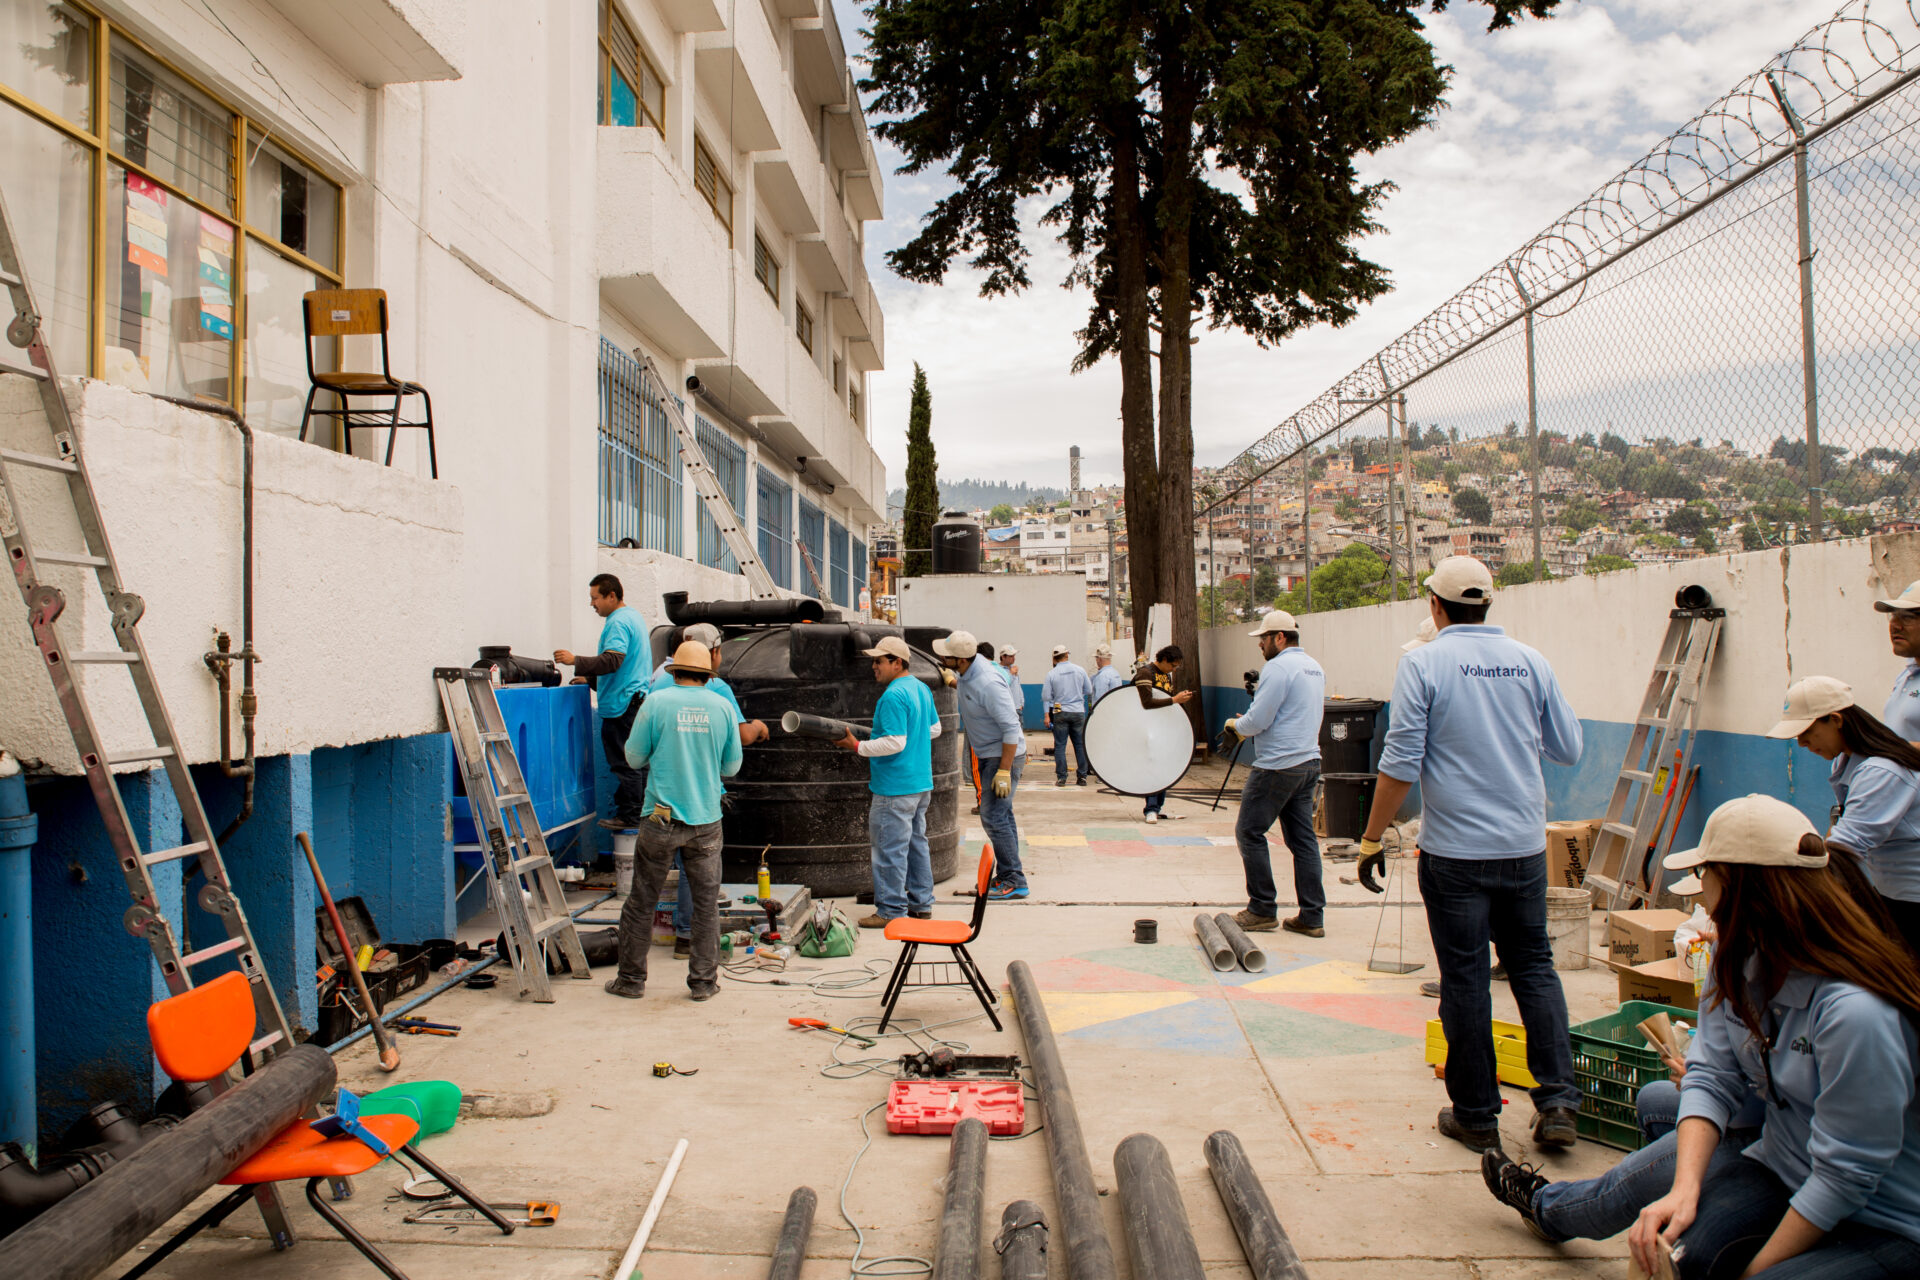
(520,871)
(1668,720)
(46,604)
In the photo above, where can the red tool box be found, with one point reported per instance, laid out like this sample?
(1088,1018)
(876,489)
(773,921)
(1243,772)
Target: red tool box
(935,1106)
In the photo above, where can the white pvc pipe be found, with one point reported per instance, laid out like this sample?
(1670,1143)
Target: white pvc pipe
(631,1258)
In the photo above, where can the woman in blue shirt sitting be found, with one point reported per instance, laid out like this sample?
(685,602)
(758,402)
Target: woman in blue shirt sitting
(1810,1004)
(1876,790)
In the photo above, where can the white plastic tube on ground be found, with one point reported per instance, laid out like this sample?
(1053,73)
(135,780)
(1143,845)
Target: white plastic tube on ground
(631,1259)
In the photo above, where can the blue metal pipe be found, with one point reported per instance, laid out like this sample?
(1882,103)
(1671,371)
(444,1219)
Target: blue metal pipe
(19,827)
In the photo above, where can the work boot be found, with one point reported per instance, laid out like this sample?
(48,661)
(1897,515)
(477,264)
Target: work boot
(705,991)
(874,921)
(618,824)
(1059,782)
(1293,924)
(631,988)
(1431,990)
(1252,923)
(1079,782)
(1555,1128)
(1474,1139)
(1499,973)
(1515,1186)
(921,915)
(682,948)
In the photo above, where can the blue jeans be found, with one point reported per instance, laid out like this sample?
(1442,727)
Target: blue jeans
(683,905)
(1069,727)
(1471,901)
(902,862)
(996,819)
(1596,1208)
(1741,1203)
(1285,796)
(1154,803)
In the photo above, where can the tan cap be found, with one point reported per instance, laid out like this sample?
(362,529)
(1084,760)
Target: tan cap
(691,659)
(1008,651)
(1757,830)
(1061,651)
(890,647)
(1427,634)
(1807,701)
(1461,579)
(1103,651)
(1276,620)
(1908,599)
(958,644)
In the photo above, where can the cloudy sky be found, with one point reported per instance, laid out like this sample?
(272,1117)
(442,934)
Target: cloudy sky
(1539,116)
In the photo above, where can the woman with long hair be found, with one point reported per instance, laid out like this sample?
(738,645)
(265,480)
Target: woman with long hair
(1876,789)
(1810,1004)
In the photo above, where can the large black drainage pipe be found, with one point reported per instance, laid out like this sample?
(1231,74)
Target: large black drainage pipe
(88,1231)
(790,1251)
(739,613)
(1089,1252)
(1269,1252)
(99,1139)
(1023,1242)
(956,1254)
(1158,1233)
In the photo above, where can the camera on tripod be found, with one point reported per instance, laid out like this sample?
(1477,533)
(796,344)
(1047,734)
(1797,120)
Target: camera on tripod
(1250,679)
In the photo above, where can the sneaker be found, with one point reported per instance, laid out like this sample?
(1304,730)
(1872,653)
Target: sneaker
(682,948)
(1556,1129)
(1059,782)
(1431,990)
(1080,782)
(1474,1139)
(1252,923)
(630,988)
(1002,891)
(703,992)
(1514,1185)
(618,824)
(1293,924)
(1151,816)
(874,921)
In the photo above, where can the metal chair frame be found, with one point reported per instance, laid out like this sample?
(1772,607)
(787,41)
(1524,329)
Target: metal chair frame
(392,388)
(901,977)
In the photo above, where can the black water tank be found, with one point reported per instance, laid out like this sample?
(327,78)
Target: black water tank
(956,543)
(806,798)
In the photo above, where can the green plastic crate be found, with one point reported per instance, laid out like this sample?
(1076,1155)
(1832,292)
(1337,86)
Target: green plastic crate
(1611,1061)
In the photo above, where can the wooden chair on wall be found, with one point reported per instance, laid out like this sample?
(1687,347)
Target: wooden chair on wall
(347,313)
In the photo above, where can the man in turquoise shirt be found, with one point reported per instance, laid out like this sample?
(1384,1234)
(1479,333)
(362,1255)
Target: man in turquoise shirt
(900,755)
(687,738)
(619,671)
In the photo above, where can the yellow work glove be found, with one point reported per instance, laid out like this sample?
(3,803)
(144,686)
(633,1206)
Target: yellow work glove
(1372,859)
(948,678)
(1003,783)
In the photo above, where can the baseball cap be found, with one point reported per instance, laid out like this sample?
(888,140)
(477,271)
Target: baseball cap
(1908,599)
(891,647)
(1757,830)
(1008,651)
(691,659)
(1103,651)
(1427,634)
(958,644)
(1276,620)
(704,633)
(1807,701)
(1060,651)
(1461,579)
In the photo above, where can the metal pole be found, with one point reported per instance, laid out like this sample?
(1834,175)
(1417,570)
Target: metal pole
(1113,585)
(1808,377)
(1213,579)
(1406,493)
(1533,422)
(1158,1233)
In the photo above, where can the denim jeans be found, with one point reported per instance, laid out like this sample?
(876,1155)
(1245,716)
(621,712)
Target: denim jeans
(902,862)
(683,902)
(630,784)
(1155,803)
(996,820)
(1471,901)
(699,850)
(1069,727)
(1596,1208)
(1741,1203)
(1285,796)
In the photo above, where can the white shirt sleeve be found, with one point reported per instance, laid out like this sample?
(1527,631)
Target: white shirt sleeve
(891,745)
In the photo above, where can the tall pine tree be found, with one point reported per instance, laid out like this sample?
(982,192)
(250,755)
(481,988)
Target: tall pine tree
(923,481)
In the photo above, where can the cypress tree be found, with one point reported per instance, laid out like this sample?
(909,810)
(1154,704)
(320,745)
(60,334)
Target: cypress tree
(923,481)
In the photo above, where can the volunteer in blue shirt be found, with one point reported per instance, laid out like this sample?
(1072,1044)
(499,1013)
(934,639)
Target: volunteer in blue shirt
(1876,790)
(1811,1004)
(1283,724)
(900,756)
(619,671)
(687,738)
(1473,714)
(991,724)
(1106,677)
(1067,694)
(1902,712)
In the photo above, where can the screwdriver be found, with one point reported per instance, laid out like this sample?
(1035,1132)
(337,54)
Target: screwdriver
(814,1024)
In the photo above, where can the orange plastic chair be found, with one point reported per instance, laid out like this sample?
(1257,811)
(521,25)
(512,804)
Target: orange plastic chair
(956,934)
(196,1036)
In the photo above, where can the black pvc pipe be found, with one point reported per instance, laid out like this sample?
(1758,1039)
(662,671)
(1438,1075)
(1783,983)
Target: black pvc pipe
(109,1135)
(1089,1252)
(790,1251)
(956,1253)
(88,1231)
(1023,1242)
(1269,1252)
(740,613)
(1245,949)
(1158,1233)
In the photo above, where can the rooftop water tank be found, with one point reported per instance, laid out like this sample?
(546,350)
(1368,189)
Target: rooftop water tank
(956,543)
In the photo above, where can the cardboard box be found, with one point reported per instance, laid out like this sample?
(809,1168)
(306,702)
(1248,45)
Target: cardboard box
(1636,937)
(1668,982)
(1569,844)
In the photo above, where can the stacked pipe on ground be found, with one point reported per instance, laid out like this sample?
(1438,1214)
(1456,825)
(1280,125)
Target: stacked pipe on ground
(1250,956)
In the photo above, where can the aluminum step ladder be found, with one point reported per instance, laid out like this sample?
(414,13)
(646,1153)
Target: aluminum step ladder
(49,487)
(1624,866)
(521,882)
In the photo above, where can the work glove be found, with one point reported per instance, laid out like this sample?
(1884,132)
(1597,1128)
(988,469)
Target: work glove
(1372,859)
(1229,740)
(1003,783)
(948,678)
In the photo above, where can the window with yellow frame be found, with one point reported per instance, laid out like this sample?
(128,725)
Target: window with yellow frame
(168,238)
(631,91)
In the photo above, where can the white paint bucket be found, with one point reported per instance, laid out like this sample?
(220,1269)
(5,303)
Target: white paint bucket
(623,847)
(1569,925)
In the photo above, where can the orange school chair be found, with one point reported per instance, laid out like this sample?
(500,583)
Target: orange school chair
(197,1035)
(942,933)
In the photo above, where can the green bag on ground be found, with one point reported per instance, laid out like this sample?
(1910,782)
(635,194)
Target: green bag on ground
(826,934)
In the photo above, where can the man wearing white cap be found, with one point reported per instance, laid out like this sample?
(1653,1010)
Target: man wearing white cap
(1106,677)
(1902,713)
(1472,714)
(1066,693)
(1284,726)
(900,755)
(991,724)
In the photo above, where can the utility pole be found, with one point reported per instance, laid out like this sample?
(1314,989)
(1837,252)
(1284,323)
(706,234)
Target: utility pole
(1406,492)
(1808,378)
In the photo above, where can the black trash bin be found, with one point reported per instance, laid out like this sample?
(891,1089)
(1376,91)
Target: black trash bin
(1346,735)
(1345,801)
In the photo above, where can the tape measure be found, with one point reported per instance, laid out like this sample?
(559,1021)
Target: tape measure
(664,1069)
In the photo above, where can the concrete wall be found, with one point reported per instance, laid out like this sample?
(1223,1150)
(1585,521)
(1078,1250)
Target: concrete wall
(1031,612)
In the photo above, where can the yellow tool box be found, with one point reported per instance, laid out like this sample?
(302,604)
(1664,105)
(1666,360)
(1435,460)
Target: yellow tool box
(1509,1051)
